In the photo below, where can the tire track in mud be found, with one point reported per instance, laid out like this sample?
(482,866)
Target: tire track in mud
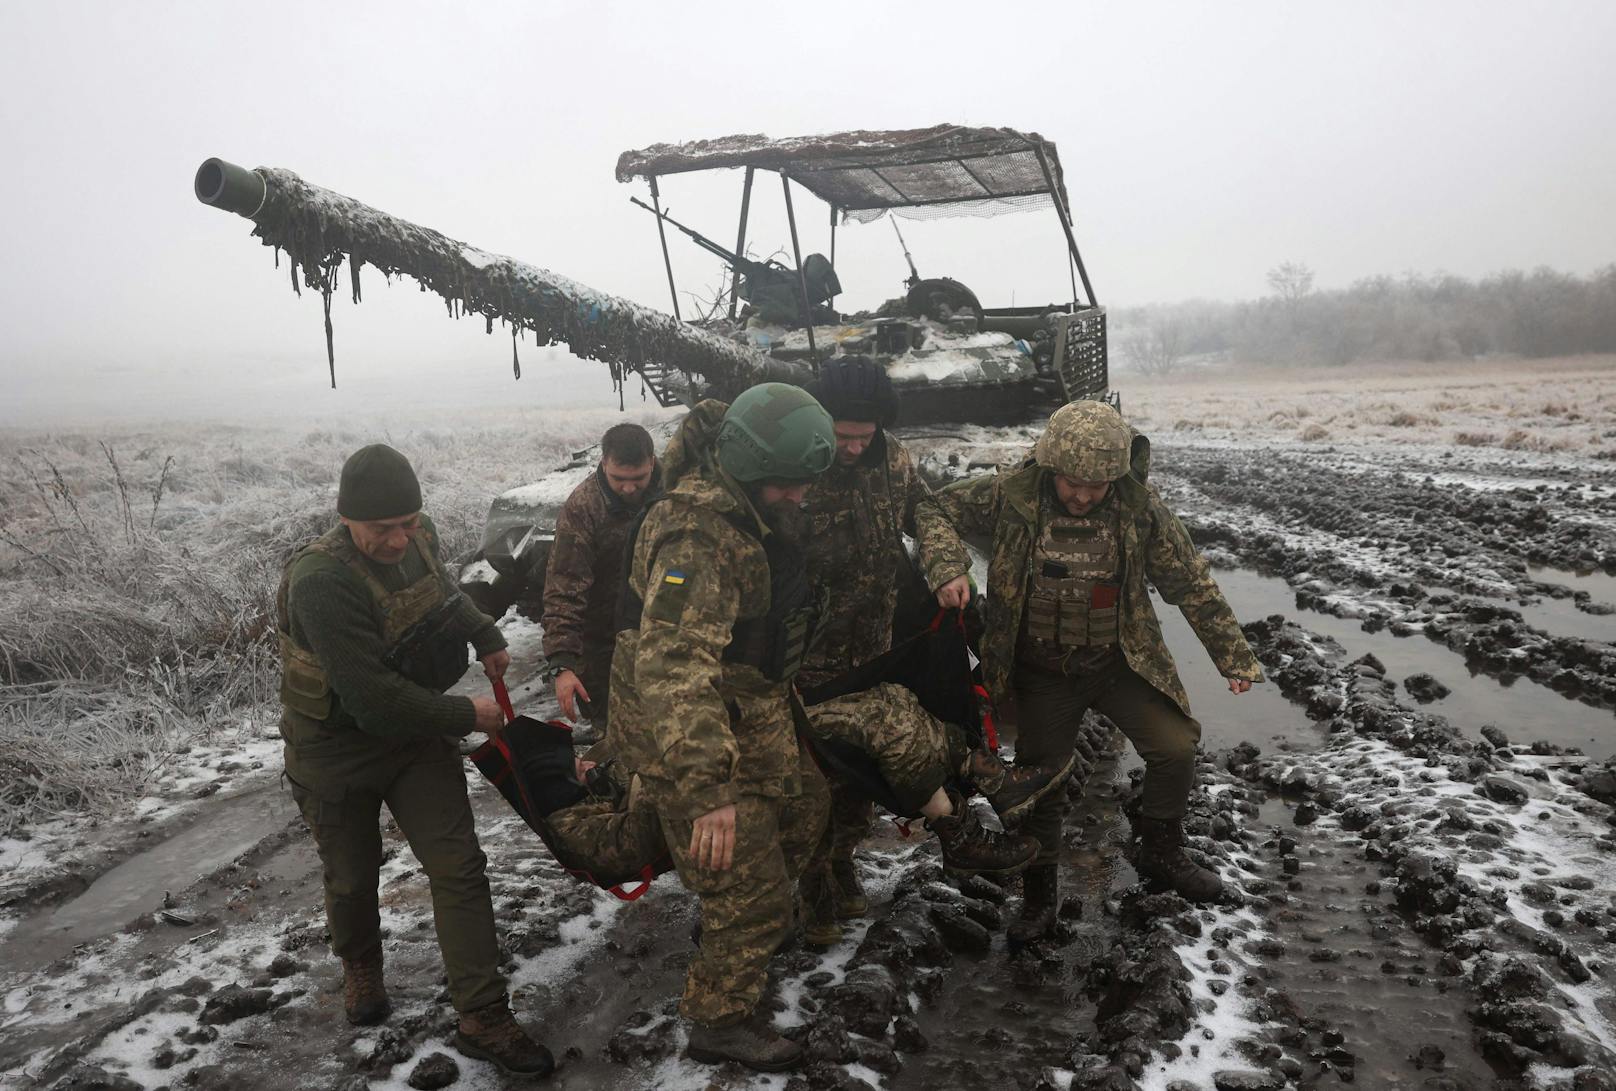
(1404,550)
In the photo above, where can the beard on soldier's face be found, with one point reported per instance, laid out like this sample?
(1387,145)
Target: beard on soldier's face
(786,519)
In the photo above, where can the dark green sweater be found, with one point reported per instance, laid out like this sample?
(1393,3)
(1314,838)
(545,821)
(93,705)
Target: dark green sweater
(334,615)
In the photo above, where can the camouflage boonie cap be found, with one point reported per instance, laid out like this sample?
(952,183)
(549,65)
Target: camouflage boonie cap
(1086,441)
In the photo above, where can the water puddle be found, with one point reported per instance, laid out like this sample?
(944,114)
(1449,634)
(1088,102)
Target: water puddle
(1560,617)
(1261,715)
(1528,712)
(229,828)
(1601,586)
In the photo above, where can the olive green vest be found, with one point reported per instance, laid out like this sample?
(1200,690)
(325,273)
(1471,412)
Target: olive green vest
(305,686)
(1074,593)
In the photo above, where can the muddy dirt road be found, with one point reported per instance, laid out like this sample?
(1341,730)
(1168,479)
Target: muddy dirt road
(1415,813)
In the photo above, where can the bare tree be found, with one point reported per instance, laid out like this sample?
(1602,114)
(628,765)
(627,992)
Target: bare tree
(1290,280)
(1157,349)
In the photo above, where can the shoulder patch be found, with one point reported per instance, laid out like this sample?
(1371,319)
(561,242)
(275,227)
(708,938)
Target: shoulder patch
(675,576)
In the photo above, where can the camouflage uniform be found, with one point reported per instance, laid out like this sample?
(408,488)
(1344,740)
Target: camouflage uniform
(858,517)
(360,733)
(1133,681)
(581,584)
(704,731)
(916,752)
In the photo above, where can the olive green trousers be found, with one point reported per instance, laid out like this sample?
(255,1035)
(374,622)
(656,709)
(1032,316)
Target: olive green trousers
(340,781)
(1049,707)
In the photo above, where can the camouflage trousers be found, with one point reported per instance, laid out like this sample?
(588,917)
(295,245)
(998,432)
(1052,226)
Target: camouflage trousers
(746,911)
(340,781)
(1050,706)
(916,753)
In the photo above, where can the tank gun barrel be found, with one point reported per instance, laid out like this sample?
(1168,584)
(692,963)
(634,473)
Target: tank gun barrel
(321,230)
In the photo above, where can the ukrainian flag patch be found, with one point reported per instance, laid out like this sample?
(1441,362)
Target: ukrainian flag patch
(674,577)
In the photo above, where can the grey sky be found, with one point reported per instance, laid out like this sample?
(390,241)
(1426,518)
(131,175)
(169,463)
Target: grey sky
(1203,143)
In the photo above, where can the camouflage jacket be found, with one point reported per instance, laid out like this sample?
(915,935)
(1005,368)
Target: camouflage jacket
(700,730)
(1155,548)
(858,516)
(584,572)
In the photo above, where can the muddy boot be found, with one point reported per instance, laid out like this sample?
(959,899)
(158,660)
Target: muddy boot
(847,893)
(1013,790)
(364,996)
(1163,864)
(492,1034)
(751,1042)
(1040,897)
(971,848)
(820,927)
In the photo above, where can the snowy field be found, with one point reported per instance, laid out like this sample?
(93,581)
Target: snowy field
(1427,880)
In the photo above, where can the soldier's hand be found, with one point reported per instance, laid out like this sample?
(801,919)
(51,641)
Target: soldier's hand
(954,594)
(490,720)
(569,688)
(494,664)
(1238,685)
(712,841)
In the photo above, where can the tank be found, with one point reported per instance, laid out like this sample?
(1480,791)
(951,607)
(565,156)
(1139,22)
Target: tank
(952,358)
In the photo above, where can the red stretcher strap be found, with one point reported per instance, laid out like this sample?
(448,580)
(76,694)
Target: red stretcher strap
(647,873)
(990,731)
(503,696)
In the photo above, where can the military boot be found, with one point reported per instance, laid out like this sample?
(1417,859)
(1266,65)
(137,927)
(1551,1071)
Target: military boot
(847,893)
(1013,790)
(1040,897)
(751,1042)
(492,1034)
(820,928)
(1163,864)
(971,848)
(364,995)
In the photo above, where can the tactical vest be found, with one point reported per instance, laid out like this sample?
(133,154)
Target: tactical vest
(776,643)
(305,686)
(1074,598)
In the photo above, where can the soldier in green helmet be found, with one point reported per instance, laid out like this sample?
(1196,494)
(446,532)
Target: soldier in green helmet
(372,632)
(1076,534)
(717,615)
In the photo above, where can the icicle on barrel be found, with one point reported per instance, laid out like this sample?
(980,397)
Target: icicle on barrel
(319,229)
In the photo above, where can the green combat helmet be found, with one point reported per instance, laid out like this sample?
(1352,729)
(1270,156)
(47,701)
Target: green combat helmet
(1085,441)
(776,432)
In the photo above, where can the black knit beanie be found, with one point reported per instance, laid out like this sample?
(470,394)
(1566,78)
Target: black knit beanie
(378,483)
(856,388)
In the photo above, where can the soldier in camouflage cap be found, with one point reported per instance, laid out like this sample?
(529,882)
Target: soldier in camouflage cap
(1077,533)
(717,615)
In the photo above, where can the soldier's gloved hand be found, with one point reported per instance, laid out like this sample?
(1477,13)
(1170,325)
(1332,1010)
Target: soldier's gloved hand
(569,688)
(494,664)
(490,720)
(1238,685)
(954,594)
(712,841)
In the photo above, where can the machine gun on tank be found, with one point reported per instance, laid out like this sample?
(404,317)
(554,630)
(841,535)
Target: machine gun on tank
(770,287)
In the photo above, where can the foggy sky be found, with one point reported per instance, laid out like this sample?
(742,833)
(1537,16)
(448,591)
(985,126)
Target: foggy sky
(1203,143)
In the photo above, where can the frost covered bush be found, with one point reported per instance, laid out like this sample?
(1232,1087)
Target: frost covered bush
(138,572)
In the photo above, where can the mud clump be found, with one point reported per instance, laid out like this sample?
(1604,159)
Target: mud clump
(92,1078)
(642,1037)
(1424,688)
(433,1071)
(234,1002)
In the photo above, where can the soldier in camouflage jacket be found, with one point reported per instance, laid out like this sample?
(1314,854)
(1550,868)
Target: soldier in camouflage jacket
(1062,638)
(715,603)
(585,570)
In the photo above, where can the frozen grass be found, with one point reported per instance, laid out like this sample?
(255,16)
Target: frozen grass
(1559,405)
(138,571)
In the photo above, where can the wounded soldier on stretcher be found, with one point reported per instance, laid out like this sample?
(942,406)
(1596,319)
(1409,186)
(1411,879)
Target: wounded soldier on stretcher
(876,728)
